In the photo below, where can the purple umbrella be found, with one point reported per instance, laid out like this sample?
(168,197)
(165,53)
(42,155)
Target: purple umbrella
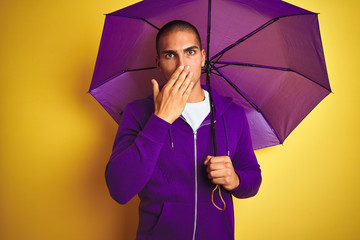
(267,55)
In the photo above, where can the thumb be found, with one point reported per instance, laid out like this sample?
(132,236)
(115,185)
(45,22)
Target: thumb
(155,88)
(207,159)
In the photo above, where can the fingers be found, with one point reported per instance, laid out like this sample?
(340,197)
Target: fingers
(188,90)
(221,171)
(207,159)
(178,78)
(174,77)
(218,167)
(218,159)
(220,180)
(187,85)
(182,77)
(155,88)
(171,100)
(180,83)
(222,175)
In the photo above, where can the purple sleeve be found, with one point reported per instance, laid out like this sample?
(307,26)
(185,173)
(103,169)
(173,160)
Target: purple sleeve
(134,155)
(246,165)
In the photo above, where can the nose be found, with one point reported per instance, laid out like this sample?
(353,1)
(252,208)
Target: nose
(181,60)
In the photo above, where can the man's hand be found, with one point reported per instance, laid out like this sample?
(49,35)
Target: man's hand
(221,171)
(171,101)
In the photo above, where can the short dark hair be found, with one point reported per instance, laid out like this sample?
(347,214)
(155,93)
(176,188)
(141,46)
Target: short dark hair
(176,25)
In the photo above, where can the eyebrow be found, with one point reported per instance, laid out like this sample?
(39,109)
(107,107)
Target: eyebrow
(186,49)
(192,48)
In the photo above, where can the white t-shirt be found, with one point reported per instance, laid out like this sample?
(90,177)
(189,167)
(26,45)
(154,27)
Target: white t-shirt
(195,113)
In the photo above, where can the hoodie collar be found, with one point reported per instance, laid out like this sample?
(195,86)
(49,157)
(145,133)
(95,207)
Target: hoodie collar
(221,103)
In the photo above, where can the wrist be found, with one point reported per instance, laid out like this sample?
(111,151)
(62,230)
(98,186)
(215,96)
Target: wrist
(235,183)
(164,117)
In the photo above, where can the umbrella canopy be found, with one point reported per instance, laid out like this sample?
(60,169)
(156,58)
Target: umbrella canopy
(265,54)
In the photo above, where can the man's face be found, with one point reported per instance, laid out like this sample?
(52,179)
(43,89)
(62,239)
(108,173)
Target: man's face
(180,48)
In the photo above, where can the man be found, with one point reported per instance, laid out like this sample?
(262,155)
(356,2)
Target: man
(163,150)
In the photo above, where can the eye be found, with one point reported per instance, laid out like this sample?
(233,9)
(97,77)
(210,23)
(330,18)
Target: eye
(191,52)
(169,55)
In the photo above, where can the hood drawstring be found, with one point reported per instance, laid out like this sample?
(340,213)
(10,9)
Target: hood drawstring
(170,138)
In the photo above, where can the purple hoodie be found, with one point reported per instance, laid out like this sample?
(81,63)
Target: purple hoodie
(164,164)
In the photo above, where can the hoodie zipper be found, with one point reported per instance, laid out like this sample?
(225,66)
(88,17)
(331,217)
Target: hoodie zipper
(196,178)
(196,186)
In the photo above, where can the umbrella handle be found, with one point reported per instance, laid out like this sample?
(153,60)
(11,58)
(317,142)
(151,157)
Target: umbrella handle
(212,107)
(212,198)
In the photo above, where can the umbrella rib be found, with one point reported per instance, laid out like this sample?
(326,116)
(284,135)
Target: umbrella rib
(218,67)
(250,65)
(125,71)
(248,100)
(237,90)
(212,72)
(219,54)
(215,73)
(268,67)
(138,69)
(222,52)
(139,18)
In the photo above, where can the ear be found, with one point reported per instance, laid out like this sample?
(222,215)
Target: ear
(157,60)
(203,58)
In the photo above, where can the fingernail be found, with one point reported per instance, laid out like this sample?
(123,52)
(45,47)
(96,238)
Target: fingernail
(181,67)
(187,67)
(191,73)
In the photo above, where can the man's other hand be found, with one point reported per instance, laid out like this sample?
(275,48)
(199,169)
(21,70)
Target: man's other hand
(221,171)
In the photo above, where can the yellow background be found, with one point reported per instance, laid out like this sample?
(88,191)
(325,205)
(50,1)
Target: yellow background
(56,139)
